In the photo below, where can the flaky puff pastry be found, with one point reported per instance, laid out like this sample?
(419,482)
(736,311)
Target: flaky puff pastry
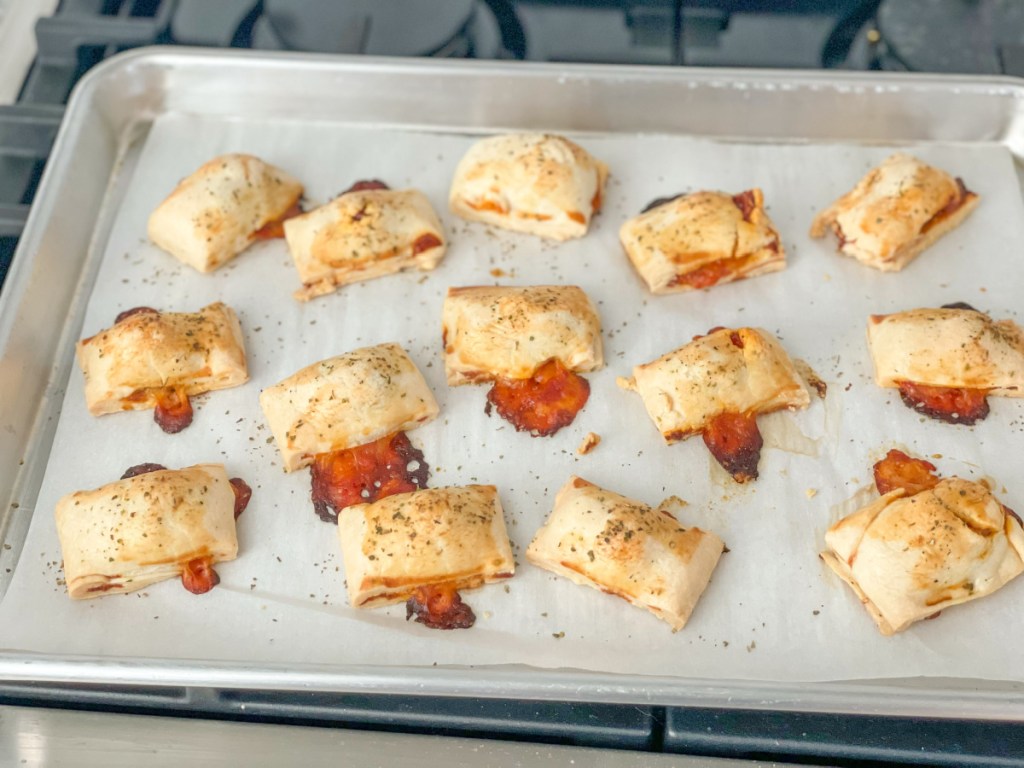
(537,183)
(945,347)
(896,211)
(625,548)
(215,214)
(702,239)
(438,536)
(909,556)
(346,401)
(128,366)
(361,235)
(743,370)
(135,532)
(491,332)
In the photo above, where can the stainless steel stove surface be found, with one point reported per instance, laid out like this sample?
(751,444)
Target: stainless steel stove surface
(983,36)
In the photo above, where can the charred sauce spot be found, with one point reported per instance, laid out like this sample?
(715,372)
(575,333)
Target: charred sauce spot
(274,229)
(173,411)
(439,607)
(242,495)
(364,185)
(366,473)
(960,305)
(198,576)
(660,201)
(735,442)
(134,311)
(543,403)
(141,469)
(898,470)
(955,405)
(716,329)
(746,202)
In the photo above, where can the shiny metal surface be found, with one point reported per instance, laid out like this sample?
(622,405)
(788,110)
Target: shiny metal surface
(43,298)
(50,738)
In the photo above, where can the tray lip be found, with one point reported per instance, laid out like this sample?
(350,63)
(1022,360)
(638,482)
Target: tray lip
(849,697)
(527,683)
(195,56)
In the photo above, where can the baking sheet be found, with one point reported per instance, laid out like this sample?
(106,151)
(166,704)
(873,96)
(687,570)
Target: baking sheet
(772,612)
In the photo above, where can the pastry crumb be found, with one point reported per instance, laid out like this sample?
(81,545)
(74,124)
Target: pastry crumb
(558,635)
(811,492)
(626,382)
(487,614)
(590,442)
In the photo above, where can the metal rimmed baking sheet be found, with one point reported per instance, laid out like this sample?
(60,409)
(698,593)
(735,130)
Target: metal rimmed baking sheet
(577,86)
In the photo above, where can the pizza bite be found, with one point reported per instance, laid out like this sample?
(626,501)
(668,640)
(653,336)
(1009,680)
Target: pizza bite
(221,209)
(702,239)
(423,547)
(926,545)
(946,361)
(625,548)
(158,360)
(716,386)
(367,231)
(346,416)
(896,211)
(151,525)
(536,183)
(531,343)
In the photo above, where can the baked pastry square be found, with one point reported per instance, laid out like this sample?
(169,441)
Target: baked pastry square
(716,386)
(367,232)
(532,342)
(625,548)
(154,526)
(924,546)
(221,209)
(701,240)
(946,361)
(438,537)
(152,359)
(896,211)
(537,183)
(492,332)
(346,401)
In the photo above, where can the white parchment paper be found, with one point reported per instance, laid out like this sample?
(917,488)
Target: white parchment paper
(773,611)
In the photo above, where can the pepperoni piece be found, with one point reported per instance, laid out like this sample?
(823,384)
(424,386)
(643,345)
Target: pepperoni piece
(366,473)
(746,203)
(735,442)
(198,576)
(955,405)
(173,410)
(898,470)
(439,607)
(134,311)
(275,228)
(364,185)
(141,469)
(543,403)
(425,243)
(242,494)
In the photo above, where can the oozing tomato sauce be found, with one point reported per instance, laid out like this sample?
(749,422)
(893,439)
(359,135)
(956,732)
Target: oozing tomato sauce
(543,403)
